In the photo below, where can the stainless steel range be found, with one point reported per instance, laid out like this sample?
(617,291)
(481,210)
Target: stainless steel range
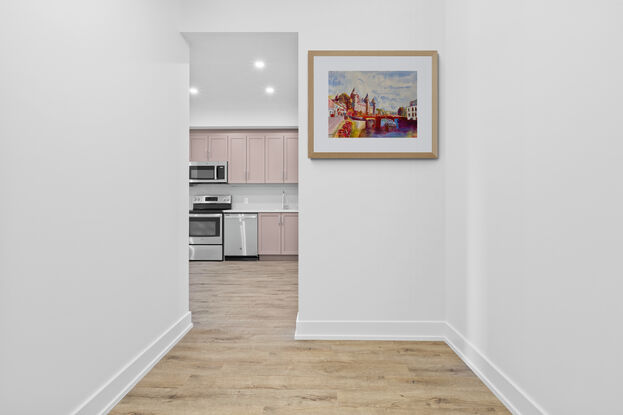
(205,236)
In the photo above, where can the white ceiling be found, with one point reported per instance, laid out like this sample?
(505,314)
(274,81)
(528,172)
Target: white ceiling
(232,90)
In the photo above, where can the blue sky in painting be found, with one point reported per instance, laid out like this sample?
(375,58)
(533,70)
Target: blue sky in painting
(392,89)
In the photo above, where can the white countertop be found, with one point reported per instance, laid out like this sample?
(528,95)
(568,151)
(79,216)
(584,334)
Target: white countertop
(258,209)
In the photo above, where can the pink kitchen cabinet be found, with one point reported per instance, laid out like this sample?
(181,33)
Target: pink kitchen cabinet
(291,158)
(275,159)
(254,156)
(289,233)
(198,147)
(217,147)
(237,159)
(269,234)
(278,233)
(256,159)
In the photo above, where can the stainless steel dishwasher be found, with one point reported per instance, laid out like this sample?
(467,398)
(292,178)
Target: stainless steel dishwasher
(241,235)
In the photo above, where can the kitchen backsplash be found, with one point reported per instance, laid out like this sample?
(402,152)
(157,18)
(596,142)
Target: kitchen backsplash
(267,196)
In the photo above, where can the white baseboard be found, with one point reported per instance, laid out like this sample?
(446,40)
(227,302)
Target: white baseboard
(369,330)
(106,397)
(508,392)
(512,396)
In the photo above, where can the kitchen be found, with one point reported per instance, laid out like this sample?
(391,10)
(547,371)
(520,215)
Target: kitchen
(243,167)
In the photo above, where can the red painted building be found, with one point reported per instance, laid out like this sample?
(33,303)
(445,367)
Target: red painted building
(335,108)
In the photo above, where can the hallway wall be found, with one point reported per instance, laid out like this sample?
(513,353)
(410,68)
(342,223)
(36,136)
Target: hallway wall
(533,198)
(93,274)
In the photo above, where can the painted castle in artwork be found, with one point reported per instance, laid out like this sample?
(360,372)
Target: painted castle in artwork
(392,114)
(364,106)
(341,104)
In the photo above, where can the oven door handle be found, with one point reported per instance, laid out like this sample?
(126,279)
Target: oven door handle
(205,215)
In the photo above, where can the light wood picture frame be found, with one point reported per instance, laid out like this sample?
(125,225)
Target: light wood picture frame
(381,104)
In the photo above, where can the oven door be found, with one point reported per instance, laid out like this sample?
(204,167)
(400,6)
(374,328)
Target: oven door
(205,229)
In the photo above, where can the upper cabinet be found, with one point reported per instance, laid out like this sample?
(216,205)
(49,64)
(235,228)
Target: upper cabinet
(208,147)
(252,156)
(237,160)
(256,155)
(291,158)
(217,147)
(198,146)
(274,159)
(282,163)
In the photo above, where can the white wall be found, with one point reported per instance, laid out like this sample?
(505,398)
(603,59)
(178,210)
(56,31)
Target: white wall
(371,231)
(533,197)
(93,106)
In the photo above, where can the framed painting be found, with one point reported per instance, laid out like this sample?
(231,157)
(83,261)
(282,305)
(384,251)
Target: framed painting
(372,104)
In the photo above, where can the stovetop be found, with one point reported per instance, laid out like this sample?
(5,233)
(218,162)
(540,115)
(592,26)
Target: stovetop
(210,203)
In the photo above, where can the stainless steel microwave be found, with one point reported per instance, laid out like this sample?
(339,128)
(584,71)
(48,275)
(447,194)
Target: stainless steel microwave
(207,172)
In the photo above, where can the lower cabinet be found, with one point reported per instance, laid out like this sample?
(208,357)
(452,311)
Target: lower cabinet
(278,234)
(290,233)
(269,234)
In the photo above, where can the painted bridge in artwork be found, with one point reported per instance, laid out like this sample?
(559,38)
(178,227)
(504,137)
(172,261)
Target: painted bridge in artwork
(377,118)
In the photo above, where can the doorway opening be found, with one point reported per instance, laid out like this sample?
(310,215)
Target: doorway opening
(243,183)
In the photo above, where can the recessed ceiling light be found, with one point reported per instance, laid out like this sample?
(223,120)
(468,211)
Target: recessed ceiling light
(193,91)
(270,90)
(259,64)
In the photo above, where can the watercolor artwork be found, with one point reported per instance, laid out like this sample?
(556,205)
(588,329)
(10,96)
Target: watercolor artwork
(372,104)
(381,104)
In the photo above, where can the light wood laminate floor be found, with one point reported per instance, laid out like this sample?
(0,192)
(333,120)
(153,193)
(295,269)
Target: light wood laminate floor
(241,358)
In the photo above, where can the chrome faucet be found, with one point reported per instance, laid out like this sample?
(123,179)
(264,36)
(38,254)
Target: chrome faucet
(284,200)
